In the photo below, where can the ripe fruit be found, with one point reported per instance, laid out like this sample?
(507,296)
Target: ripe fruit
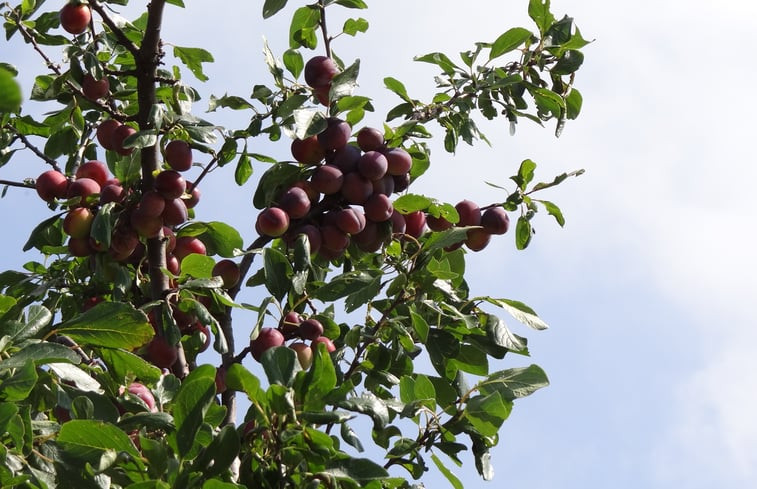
(372,165)
(307,151)
(174,213)
(161,353)
(326,341)
(437,223)
(273,222)
(313,235)
(94,89)
(179,155)
(105,133)
(327,179)
(356,188)
(319,71)
(152,204)
(350,220)
(145,224)
(378,208)
(145,394)
(336,134)
(345,158)
(96,170)
(477,239)
(370,139)
(78,222)
(75,17)
(495,220)
(51,185)
(401,182)
(290,323)
(111,193)
(117,142)
(83,188)
(186,245)
(333,238)
(469,212)
(267,338)
(311,329)
(170,184)
(194,196)
(295,202)
(399,161)
(79,246)
(228,271)
(304,354)
(415,223)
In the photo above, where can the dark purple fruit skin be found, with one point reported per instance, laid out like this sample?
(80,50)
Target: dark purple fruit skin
(345,158)
(310,329)
(336,134)
(399,160)
(179,155)
(495,220)
(319,71)
(370,139)
(356,188)
(327,179)
(470,213)
(378,208)
(307,151)
(372,165)
(295,202)
(170,184)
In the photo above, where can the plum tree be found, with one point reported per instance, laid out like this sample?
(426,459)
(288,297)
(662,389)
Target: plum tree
(147,328)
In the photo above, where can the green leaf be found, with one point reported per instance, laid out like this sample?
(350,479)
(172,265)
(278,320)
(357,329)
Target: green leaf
(439,59)
(539,12)
(508,41)
(37,319)
(515,383)
(343,285)
(10,92)
(18,386)
(293,62)
(280,364)
(353,26)
(569,63)
(109,324)
(573,102)
(521,312)
(498,332)
(397,87)
(123,364)
(88,439)
(408,203)
(359,4)
(191,403)
(197,266)
(41,354)
(523,233)
(240,379)
(243,171)
(447,473)
(368,404)
(193,59)
(553,210)
(319,380)
(487,413)
(344,83)
(47,233)
(222,451)
(302,29)
(278,272)
(361,470)
(270,7)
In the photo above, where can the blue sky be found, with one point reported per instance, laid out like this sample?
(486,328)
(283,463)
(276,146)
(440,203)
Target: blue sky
(649,287)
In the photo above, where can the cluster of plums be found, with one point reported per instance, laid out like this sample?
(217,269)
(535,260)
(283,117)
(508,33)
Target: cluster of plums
(292,327)
(346,196)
